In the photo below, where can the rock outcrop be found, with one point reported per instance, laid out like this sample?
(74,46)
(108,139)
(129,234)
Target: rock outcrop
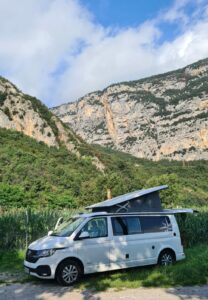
(160,117)
(28,115)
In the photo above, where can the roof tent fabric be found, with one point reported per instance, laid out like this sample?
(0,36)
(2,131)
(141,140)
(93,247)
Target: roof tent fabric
(142,200)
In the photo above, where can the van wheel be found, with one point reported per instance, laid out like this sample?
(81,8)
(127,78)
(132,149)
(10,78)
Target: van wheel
(68,272)
(166,258)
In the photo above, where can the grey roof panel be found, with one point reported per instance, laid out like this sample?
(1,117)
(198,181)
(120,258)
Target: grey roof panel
(126,197)
(147,213)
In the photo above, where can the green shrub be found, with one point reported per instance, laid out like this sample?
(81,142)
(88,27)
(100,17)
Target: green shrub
(2,98)
(18,228)
(51,177)
(7,112)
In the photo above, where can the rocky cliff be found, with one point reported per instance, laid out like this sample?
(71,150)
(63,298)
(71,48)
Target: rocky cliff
(160,117)
(28,115)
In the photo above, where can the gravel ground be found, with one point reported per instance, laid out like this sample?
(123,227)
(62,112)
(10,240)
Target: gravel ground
(46,291)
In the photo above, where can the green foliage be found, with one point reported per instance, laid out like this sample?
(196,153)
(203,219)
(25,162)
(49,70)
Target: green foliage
(7,112)
(11,260)
(11,195)
(101,126)
(195,88)
(35,175)
(20,227)
(169,197)
(43,111)
(194,228)
(2,98)
(130,140)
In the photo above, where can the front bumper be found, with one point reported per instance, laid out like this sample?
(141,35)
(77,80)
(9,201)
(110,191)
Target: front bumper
(45,267)
(41,271)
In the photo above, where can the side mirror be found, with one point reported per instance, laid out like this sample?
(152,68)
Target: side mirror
(84,235)
(50,232)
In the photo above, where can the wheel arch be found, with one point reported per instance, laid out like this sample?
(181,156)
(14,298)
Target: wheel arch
(71,258)
(169,250)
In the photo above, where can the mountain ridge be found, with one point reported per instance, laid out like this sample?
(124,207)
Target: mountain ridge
(27,114)
(198,63)
(61,170)
(160,117)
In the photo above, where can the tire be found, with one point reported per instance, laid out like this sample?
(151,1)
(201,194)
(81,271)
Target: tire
(68,272)
(166,258)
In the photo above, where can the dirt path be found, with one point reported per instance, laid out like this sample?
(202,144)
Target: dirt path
(31,291)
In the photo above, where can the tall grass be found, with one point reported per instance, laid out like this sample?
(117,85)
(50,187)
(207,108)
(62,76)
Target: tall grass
(194,228)
(20,227)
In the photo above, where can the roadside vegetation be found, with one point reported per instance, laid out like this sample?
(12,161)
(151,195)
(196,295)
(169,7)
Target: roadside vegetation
(39,184)
(192,271)
(11,261)
(19,227)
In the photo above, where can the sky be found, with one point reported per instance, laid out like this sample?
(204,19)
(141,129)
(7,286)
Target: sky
(60,50)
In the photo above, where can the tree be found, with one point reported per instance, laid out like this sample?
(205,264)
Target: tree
(169,197)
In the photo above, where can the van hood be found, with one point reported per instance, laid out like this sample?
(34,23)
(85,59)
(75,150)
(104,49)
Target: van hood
(49,242)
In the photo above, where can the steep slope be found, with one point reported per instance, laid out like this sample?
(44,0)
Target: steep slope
(28,115)
(160,117)
(35,175)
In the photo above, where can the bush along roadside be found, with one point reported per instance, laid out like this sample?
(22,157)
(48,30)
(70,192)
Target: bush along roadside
(19,227)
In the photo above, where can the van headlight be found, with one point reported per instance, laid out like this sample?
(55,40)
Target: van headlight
(45,252)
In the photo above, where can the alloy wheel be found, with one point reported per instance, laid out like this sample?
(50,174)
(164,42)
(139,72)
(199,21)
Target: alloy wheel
(166,259)
(70,274)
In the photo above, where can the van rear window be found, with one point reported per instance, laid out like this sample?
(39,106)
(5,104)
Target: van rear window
(140,224)
(155,224)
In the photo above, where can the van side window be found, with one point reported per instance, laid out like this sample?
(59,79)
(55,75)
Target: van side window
(96,228)
(126,225)
(155,224)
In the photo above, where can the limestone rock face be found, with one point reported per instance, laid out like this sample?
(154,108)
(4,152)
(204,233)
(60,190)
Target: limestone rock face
(160,117)
(28,115)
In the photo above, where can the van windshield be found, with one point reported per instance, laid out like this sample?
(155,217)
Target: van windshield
(67,228)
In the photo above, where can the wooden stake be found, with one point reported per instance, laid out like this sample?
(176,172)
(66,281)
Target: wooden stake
(109,194)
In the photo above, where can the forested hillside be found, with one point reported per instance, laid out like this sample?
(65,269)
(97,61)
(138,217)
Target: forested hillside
(35,175)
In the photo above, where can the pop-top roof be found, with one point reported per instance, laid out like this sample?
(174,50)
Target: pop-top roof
(126,197)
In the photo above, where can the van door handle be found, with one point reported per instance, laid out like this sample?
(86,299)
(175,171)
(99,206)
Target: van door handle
(174,234)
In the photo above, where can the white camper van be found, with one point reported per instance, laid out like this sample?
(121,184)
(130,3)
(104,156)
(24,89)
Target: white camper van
(103,241)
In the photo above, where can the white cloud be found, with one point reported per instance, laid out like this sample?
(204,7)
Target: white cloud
(36,38)
(176,12)
(54,50)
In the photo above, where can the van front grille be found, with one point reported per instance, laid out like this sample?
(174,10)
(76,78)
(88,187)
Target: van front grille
(32,256)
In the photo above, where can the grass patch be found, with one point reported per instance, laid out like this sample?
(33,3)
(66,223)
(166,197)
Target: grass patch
(191,271)
(11,261)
